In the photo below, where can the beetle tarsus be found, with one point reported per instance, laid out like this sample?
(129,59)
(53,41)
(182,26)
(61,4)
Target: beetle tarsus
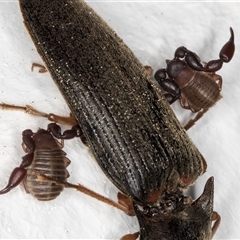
(127,203)
(42,68)
(131,236)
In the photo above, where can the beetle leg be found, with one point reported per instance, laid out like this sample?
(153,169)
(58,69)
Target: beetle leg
(83,189)
(126,202)
(28,109)
(217,218)
(33,111)
(68,134)
(42,68)
(131,236)
(62,119)
(149,70)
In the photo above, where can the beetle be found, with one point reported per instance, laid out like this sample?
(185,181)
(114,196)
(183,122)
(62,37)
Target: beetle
(44,156)
(195,84)
(130,128)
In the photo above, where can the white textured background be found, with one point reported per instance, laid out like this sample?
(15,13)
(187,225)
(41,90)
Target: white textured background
(153,30)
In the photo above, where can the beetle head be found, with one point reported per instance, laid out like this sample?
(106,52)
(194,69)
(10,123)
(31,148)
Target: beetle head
(178,217)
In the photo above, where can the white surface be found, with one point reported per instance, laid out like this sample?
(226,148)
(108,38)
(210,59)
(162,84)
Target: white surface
(153,31)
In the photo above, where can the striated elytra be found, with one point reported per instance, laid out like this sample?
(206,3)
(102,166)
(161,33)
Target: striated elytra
(130,128)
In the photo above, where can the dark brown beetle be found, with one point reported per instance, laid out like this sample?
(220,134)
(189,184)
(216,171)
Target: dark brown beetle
(130,128)
(44,156)
(195,84)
